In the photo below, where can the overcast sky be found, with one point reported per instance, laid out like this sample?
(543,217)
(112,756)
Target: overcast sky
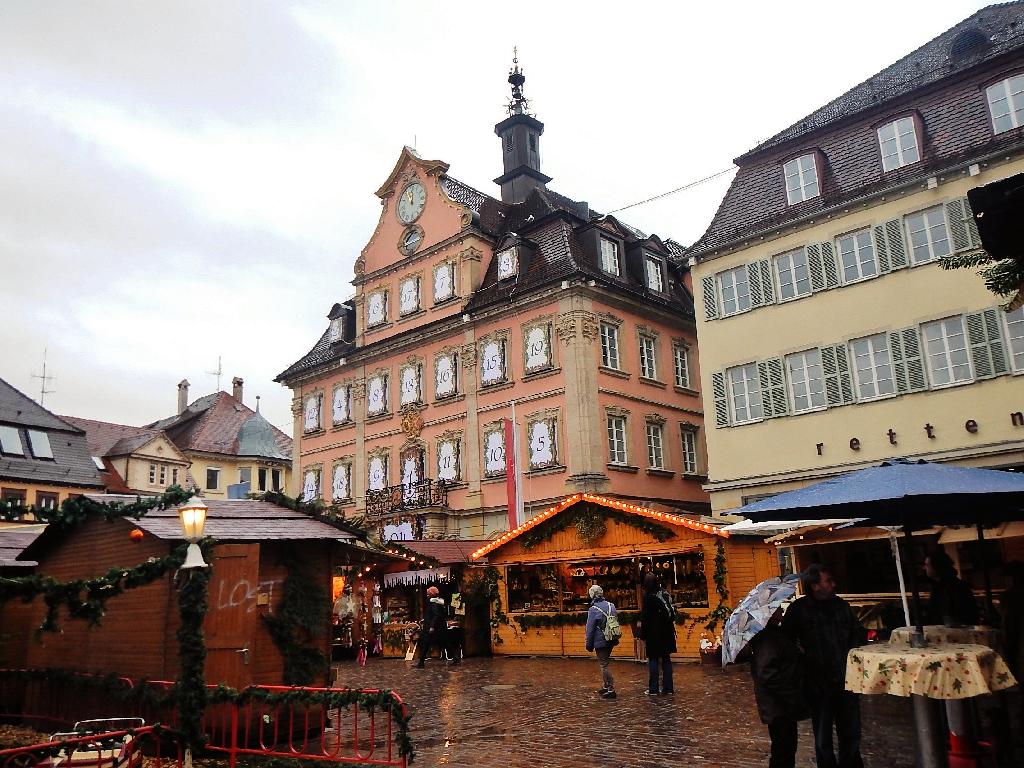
(186,180)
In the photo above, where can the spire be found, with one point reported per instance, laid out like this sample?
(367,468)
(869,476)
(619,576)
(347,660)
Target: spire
(520,136)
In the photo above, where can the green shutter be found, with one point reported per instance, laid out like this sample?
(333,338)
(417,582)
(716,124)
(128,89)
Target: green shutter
(899,368)
(988,352)
(773,388)
(971,224)
(916,379)
(815,267)
(881,249)
(710,298)
(836,368)
(963,229)
(830,265)
(754,281)
(721,402)
(767,282)
(897,245)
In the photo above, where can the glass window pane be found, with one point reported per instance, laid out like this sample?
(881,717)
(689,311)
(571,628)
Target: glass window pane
(39,442)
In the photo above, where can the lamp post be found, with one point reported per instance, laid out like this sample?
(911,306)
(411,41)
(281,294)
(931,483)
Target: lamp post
(192,603)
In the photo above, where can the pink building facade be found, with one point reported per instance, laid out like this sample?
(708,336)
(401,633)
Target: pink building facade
(467,307)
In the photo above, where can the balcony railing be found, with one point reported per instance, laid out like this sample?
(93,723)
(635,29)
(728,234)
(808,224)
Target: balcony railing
(398,499)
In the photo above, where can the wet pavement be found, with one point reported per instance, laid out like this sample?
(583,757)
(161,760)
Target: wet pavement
(519,713)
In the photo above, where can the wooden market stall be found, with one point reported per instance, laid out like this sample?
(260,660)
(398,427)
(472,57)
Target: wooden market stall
(545,567)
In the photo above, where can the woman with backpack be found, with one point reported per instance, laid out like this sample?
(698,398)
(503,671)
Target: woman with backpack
(603,633)
(659,635)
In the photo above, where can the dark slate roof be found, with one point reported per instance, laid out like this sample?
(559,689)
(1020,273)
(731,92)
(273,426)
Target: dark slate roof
(322,352)
(942,81)
(219,423)
(71,464)
(446,551)
(14,539)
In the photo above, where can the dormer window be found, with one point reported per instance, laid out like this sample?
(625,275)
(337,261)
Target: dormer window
(1006,103)
(801,175)
(898,142)
(39,442)
(337,328)
(609,256)
(10,442)
(652,269)
(508,262)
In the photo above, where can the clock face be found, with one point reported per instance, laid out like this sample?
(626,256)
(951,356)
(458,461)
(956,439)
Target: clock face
(411,202)
(409,296)
(508,263)
(411,239)
(444,285)
(375,309)
(375,395)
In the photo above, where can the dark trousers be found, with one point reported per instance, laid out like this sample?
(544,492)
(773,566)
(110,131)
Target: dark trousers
(782,731)
(666,673)
(841,708)
(428,640)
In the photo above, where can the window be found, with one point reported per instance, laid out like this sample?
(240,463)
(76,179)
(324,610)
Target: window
(794,277)
(538,348)
(174,476)
(689,452)
(446,370)
(946,346)
(872,367)
(543,443)
(311,485)
(929,236)
(163,475)
(655,446)
(261,479)
(1006,103)
(508,263)
(734,286)
(410,385)
(275,477)
(377,395)
(377,309)
(39,442)
(806,380)
(46,500)
(857,256)
(681,361)
(377,473)
(492,363)
(648,358)
(609,346)
(444,282)
(336,330)
(152,474)
(341,407)
(898,142)
(311,413)
(745,393)
(212,478)
(610,256)
(245,475)
(409,296)
(15,496)
(494,452)
(652,267)
(1015,336)
(341,485)
(801,179)
(10,441)
(448,468)
(616,440)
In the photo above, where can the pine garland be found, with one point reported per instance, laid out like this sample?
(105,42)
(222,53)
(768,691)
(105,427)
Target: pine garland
(722,611)
(78,509)
(581,516)
(190,690)
(304,610)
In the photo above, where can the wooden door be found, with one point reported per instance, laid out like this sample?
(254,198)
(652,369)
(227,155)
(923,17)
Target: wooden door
(231,622)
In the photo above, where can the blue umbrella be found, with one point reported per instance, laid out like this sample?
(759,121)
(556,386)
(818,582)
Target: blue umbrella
(753,613)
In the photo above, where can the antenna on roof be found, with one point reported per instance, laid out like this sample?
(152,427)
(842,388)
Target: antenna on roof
(218,373)
(43,391)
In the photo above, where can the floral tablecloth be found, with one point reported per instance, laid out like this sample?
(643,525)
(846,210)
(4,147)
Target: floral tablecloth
(940,671)
(938,633)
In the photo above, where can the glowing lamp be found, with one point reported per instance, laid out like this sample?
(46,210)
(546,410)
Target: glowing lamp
(193,521)
(136,534)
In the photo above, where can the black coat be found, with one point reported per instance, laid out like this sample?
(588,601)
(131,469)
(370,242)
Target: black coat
(825,630)
(952,602)
(656,626)
(777,669)
(436,617)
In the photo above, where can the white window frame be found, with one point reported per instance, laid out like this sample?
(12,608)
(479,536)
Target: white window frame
(346,394)
(648,357)
(751,395)
(653,268)
(501,376)
(384,309)
(928,231)
(11,441)
(215,486)
(488,445)
(739,276)
(163,474)
(681,365)
(152,474)
(808,185)
(346,467)
(1015,344)
(858,249)
(788,273)
(384,394)
(943,349)
(609,261)
(456,445)
(688,441)
(610,346)
(618,451)
(449,267)
(874,350)
(417,396)
(402,310)
(1003,91)
(655,445)
(453,363)
(901,153)
(803,377)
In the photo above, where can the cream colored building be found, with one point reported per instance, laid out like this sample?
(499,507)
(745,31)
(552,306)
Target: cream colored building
(831,338)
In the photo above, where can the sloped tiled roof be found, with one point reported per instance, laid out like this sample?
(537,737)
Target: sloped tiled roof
(446,551)
(107,439)
(14,539)
(19,409)
(219,423)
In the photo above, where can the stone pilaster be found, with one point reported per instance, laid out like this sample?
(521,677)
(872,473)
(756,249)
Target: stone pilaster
(359,463)
(473,469)
(295,483)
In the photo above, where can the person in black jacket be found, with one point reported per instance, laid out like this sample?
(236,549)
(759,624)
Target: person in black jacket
(951,601)
(777,669)
(826,629)
(659,634)
(435,626)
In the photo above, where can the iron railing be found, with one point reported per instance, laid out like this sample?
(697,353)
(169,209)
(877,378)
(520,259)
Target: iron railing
(398,499)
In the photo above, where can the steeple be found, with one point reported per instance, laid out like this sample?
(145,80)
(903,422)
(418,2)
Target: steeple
(520,136)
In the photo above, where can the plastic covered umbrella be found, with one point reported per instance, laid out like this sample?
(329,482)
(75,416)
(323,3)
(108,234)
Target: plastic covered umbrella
(753,613)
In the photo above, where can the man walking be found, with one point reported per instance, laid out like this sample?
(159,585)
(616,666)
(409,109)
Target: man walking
(826,629)
(435,626)
(597,619)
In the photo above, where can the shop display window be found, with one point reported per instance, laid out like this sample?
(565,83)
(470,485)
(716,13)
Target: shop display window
(683,576)
(618,579)
(533,587)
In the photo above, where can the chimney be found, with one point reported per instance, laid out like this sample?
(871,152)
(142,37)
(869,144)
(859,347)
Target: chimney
(236,388)
(182,395)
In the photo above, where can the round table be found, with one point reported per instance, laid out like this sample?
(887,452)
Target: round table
(939,633)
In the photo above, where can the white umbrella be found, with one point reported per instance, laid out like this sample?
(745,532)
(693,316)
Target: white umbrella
(754,612)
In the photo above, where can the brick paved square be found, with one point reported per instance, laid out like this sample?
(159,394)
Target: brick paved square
(520,713)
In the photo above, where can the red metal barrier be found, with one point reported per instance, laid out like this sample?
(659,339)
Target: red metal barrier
(112,749)
(40,702)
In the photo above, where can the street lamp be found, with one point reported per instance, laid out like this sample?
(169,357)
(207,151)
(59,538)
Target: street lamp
(193,520)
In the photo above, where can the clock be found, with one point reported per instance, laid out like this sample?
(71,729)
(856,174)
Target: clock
(409,296)
(444,283)
(411,202)
(376,309)
(411,239)
(508,262)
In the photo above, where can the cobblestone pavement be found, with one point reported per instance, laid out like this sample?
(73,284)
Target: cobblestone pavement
(519,713)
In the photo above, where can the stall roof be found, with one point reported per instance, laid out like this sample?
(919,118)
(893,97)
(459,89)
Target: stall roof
(446,551)
(14,538)
(604,501)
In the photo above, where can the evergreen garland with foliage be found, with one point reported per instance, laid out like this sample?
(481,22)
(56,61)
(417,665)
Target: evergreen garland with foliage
(581,516)
(190,690)
(723,610)
(79,508)
(1003,277)
(301,618)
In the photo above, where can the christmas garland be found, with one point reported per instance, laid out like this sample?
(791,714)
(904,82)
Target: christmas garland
(87,598)
(484,591)
(583,517)
(396,547)
(190,690)
(722,611)
(304,610)
(76,510)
